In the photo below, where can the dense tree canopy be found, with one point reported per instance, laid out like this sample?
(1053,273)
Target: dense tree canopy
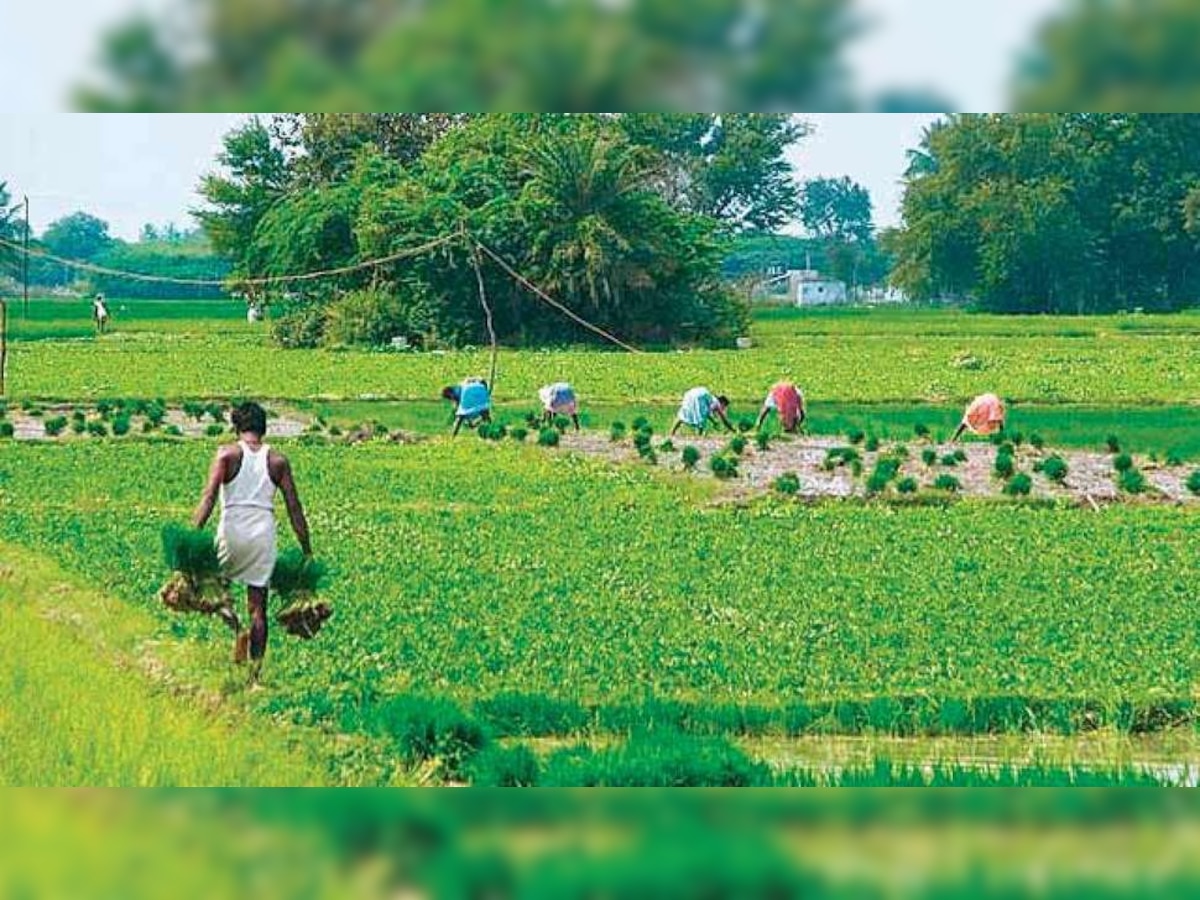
(477,54)
(1076,212)
(621,217)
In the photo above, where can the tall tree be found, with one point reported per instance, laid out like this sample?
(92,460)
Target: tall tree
(837,209)
(478,54)
(1135,55)
(731,166)
(1079,212)
(77,236)
(255,177)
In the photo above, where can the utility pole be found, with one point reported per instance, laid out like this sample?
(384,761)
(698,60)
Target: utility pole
(25,261)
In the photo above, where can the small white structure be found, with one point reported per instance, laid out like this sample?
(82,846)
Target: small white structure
(807,287)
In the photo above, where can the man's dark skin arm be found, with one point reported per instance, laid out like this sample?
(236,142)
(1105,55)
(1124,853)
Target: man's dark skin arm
(208,500)
(281,474)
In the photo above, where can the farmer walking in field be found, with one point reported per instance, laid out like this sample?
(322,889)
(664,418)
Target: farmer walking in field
(698,407)
(786,401)
(985,415)
(245,476)
(559,399)
(100,313)
(472,400)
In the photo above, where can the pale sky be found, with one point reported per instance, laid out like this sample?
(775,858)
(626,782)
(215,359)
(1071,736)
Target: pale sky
(134,169)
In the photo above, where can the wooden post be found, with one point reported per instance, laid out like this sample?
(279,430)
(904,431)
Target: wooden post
(487,309)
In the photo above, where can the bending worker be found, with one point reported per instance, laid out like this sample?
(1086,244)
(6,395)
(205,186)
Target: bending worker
(246,476)
(787,402)
(559,399)
(984,416)
(473,402)
(698,407)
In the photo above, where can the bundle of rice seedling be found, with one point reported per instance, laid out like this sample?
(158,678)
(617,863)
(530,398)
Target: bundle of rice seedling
(195,584)
(296,581)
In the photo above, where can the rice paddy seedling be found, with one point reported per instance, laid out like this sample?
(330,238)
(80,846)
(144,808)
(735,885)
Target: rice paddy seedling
(737,446)
(947,483)
(641,423)
(667,446)
(762,441)
(929,457)
(1123,462)
(121,424)
(97,428)
(1055,468)
(724,465)
(1004,466)
(1131,481)
(921,430)
(549,437)
(907,485)
(213,430)
(1113,443)
(690,457)
(950,460)
(855,436)
(6,429)
(1019,485)
(1037,441)
(55,426)
(518,433)
(745,424)
(616,432)
(788,484)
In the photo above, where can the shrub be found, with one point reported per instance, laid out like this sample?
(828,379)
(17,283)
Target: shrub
(55,426)
(518,434)
(1055,468)
(430,728)
(789,483)
(1131,481)
(616,432)
(690,457)
(1193,482)
(907,485)
(872,444)
(855,436)
(549,437)
(510,767)
(1019,485)
(738,445)
(1004,466)
(1113,443)
(921,430)
(1123,462)
(947,483)
(929,457)
(724,465)
(492,431)
(762,441)
(368,317)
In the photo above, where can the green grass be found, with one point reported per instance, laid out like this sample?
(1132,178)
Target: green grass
(75,708)
(887,356)
(57,319)
(699,617)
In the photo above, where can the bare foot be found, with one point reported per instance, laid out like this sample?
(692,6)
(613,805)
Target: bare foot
(241,648)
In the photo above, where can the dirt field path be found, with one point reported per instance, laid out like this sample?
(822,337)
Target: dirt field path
(1090,478)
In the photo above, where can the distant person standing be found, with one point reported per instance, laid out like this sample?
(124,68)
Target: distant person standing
(100,313)
(698,407)
(786,401)
(559,399)
(472,403)
(985,415)
(245,477)
(253,313)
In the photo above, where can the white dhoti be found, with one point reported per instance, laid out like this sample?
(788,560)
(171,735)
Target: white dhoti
(246,545)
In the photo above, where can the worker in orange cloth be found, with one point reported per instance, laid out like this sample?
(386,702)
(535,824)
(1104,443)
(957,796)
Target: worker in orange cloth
(984,416)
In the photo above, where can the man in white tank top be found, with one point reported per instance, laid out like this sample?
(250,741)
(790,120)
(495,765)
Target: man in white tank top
(245,476)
